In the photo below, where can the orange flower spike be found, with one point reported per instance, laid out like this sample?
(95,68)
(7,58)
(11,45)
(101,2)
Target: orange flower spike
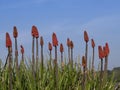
(86,38)
(54,40)
(50,46)
(101,52)
(35,32)
(107,48)
(8,40)
(105,51)
(68,42)
(22,49)
(61,48)
(41,41)
(71,44)
(92,43)
(15,33)
(83,61)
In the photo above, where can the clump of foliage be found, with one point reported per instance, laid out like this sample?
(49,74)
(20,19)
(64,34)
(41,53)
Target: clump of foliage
(34,74)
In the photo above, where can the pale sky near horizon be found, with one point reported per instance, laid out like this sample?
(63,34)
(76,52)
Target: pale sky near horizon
(68,18)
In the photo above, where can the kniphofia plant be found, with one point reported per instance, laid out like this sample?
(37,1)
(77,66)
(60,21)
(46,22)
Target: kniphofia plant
(35,34)
(71,47)
(101,56)
(55,44)
(93,55)
(86,39)
(61,51)
(22,52)
(84,69)
(50,50)
(41,44)
(9,46)
(106,54)
(68,44)
(15,35)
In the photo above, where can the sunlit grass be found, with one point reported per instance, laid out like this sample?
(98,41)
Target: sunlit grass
(68,78)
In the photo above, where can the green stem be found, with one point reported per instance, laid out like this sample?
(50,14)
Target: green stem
(86,53)
(61,60)
(72,58)
(84,76)
(36,54)
(93,63)
(10,67)
(50,56)
(23,57)
(101,74)
(41,61)
(6,60)
(55,69)
(69,54)
(33,61)
(16,53)
(61,57)
(105,68)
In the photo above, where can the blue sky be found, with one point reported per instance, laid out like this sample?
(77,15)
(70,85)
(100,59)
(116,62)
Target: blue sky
(68,18)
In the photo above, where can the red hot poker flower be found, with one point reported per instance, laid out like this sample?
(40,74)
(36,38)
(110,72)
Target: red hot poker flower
(35,32)
(101,52)
(86,38)
(105,51)
(61,48)
(107,48)
(15,33)
(50,46)
(54,40)
(8,40)
(71,44)
(22,49)
(41,41)
(92,43)
(83,61)
(68,42)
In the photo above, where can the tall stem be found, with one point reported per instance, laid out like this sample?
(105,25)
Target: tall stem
(83,83)
(101,74)
(41,61)
(56,53)
(6,60)
(93,62)
(16,53)
(33,61)
(69,54)
(106,63)
(50,56)
(61,57)
(62,60)
(55,69)
(93,59)
(10,67)
(23,57)
(105,67)
(72,57)
(36,54)
(86,53)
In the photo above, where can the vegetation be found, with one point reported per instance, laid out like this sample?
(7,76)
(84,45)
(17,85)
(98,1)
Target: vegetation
(68,78)
(34,74)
